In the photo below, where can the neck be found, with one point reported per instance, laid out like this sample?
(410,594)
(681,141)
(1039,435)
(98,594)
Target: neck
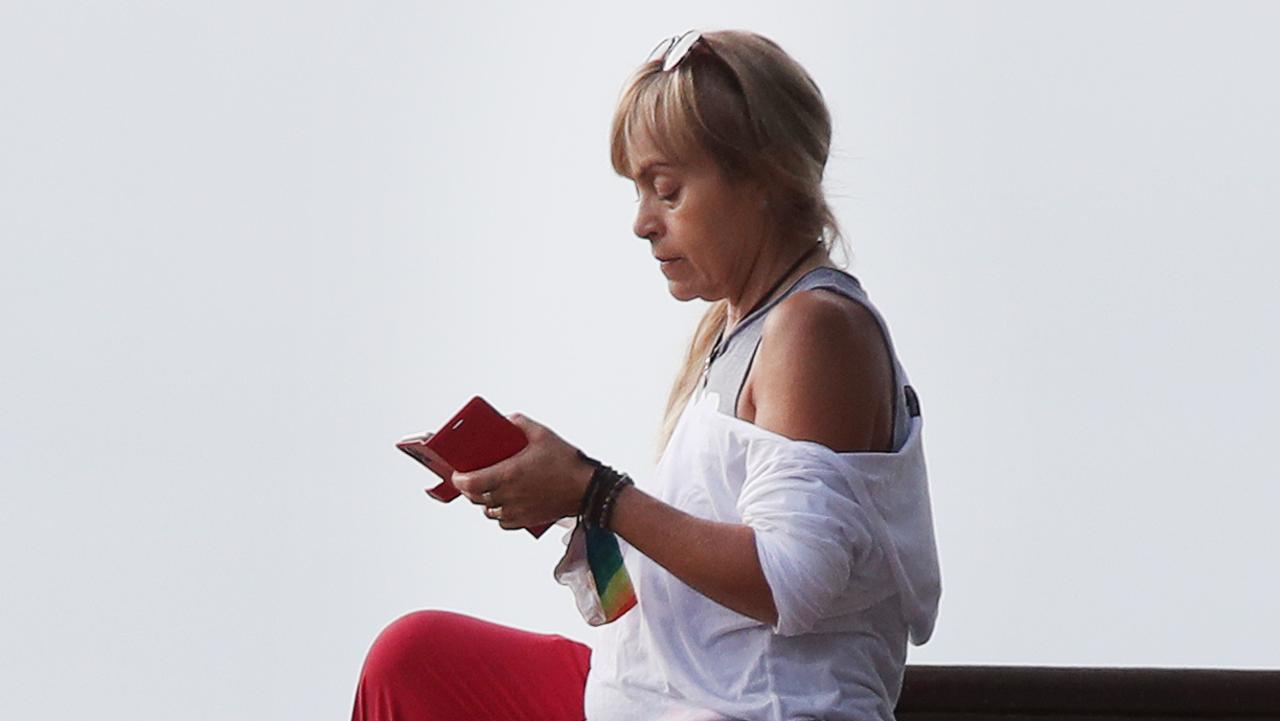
(769,276)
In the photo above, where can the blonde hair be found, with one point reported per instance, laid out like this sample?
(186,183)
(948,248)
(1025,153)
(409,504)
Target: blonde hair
(739,98)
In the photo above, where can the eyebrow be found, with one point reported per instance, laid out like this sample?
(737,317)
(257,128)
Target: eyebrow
(650,166)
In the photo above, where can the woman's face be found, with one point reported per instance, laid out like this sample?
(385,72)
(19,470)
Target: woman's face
(691,213)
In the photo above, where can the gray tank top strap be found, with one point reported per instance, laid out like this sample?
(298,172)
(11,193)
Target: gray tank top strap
(728,373)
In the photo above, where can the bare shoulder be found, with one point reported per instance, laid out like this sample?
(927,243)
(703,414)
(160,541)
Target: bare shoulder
(823,373)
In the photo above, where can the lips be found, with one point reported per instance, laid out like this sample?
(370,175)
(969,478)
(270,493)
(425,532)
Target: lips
(666,259)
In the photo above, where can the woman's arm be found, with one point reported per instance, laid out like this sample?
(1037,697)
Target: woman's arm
(821,374)
(717,559)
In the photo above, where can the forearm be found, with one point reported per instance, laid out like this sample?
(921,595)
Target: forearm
(717,559)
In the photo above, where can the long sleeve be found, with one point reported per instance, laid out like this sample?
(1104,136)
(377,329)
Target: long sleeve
(812,535)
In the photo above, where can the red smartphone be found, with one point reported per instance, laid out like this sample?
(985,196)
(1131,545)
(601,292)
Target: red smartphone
(475,437)
(416,446)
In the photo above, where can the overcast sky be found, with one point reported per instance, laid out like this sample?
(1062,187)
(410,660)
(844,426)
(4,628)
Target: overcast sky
(248,245)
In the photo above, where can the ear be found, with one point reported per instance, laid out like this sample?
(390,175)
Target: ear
(757,194)
(763,202)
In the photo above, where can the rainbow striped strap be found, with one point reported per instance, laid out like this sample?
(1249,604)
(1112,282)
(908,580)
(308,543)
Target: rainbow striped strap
(613,585)
(592,568)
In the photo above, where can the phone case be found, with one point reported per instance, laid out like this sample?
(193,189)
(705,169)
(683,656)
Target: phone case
(475,437)
(416,447)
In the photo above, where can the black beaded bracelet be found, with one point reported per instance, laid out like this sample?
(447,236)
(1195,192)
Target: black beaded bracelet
(593,486)
(598,500)
(604,479)
(606,510)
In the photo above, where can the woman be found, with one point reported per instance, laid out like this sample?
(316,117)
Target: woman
(783,554)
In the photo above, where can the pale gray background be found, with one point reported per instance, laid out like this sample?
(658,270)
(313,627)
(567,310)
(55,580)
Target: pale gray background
(247,245)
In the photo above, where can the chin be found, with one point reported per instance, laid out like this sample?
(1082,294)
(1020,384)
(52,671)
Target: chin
(682,294)
(679,292)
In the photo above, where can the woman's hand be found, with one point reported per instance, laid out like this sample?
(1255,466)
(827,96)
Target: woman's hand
(545,482)
(542,483)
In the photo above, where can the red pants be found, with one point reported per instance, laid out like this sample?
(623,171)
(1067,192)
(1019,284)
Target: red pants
(443,666)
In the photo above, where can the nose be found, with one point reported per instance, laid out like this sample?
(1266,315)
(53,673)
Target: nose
(646,224)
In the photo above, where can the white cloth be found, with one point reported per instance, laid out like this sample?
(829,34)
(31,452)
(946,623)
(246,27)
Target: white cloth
(574,571)
(847,547)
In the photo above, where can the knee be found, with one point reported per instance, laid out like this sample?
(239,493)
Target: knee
(410,644)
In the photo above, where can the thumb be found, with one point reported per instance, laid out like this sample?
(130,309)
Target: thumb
(478,479)
(463,481)
(523,422)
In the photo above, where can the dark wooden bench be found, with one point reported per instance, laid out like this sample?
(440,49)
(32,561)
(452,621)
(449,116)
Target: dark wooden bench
(1064,693)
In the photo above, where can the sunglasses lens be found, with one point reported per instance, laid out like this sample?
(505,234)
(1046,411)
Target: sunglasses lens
(660,49)
(680,49)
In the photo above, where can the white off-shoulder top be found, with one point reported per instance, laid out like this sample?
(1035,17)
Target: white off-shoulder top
(847,545)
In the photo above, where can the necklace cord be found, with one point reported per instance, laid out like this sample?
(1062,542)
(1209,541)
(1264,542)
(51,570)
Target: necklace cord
(715,350)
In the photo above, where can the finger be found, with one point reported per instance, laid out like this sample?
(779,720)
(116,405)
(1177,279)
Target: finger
(496,514)
(473,486)
(462,482)
(509,519)
(478,480)
(485,497)
(527,425)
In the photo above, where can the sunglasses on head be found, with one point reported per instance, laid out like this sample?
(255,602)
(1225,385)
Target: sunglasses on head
(674,49)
